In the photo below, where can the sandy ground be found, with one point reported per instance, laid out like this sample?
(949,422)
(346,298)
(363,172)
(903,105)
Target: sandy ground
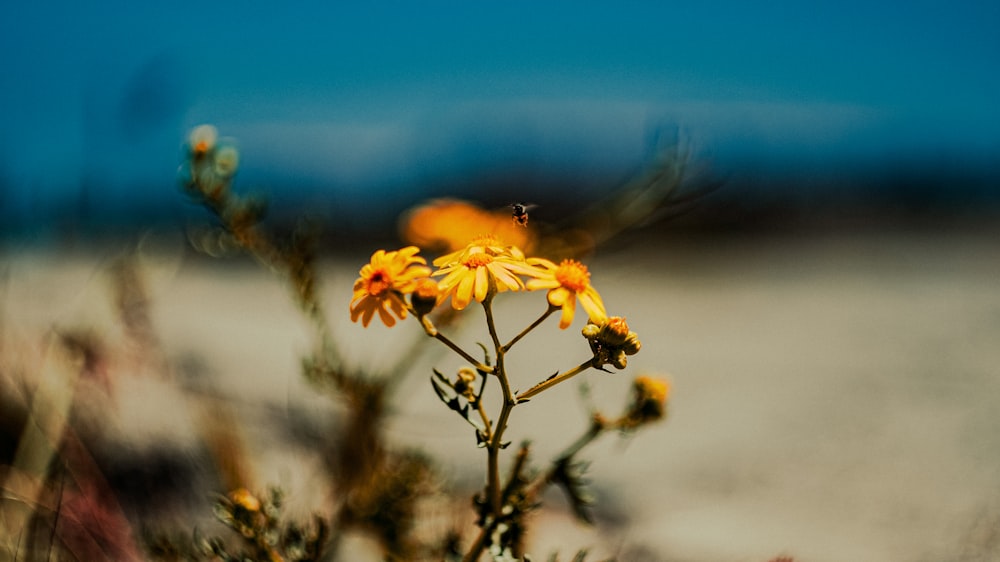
(835,397)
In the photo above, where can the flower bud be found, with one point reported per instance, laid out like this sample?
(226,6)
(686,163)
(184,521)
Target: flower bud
(464,381)
(202,140)
(619,360)
(226,161)
(632,344)
(614,332)
(425,296)
(590,331)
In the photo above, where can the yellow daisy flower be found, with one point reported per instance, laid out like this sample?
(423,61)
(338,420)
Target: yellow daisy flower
(653,389)
(470,272)
(649,401)
(383,284)
(568,282)
(450,224)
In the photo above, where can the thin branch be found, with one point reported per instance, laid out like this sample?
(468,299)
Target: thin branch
(475,363)
(548,312)
(494,445)
(556,379)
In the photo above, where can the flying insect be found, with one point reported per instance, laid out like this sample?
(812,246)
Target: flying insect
(520,214)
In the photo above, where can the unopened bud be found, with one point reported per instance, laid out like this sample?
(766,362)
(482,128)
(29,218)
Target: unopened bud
(619,360)
(424,298)
(614,332)
(632,344)
(202,139)
(463,382)
(226,161)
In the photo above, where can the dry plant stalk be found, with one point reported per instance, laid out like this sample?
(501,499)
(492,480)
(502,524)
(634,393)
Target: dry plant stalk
(378,486)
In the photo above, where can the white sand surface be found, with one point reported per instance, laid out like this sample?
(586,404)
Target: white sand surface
(834,397)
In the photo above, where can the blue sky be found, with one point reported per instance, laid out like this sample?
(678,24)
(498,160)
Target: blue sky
(368,99)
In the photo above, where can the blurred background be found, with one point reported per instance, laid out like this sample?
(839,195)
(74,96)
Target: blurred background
(831,111)
(827,308)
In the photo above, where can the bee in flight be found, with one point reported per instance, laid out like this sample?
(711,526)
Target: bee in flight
(520,214)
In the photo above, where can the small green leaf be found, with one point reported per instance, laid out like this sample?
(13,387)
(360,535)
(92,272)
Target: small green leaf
(486,354)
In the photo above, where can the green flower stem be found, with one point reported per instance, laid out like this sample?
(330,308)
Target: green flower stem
(533,325)
(508,396)
(494,493)
(479,366)
(434,333)
(482,414)
(555,379)
(487,530)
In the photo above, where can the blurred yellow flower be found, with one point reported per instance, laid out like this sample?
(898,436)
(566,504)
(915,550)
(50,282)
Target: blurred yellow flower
(450,225)
(649,401)
(241,497)
(484,264)
(650,388)
(383,284)
(568,282)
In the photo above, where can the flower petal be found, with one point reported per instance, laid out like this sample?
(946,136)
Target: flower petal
(558,296)
(482,283)
(591,302)
(543,283)
(568,311)
(386,318)
(397,305)
(463,293)
(368,313)
(505,280)
(542,262)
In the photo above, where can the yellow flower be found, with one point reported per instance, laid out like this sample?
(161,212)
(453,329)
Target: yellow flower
(384,282)
(484,264)
(649,402)
(483,243)
(450,224)
(653,389)
(567,282)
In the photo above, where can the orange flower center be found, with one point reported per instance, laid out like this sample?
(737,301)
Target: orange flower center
(485,240)
(573,275)
(378,282)
(488,243)
(474,261)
